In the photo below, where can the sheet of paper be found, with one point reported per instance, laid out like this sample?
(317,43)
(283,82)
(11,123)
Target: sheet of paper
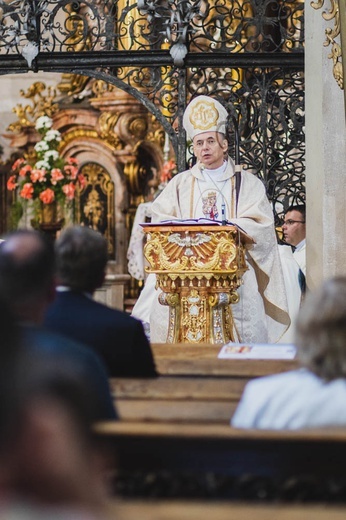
(257,351)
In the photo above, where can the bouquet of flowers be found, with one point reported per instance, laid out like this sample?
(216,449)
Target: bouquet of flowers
(169,169)
(46,177)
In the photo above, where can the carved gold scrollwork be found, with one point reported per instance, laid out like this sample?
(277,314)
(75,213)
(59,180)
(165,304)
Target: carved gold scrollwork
(193,252)
(95,203)
(194,317)
(107,122)
(156,134)
(42,104)
(134,173)
(199,271)
(101,88)
(331,34)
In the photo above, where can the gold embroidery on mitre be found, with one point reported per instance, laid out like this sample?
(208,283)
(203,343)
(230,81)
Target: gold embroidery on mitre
(204,115)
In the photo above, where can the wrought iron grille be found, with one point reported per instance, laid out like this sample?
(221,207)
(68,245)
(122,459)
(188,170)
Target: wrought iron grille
(248,53)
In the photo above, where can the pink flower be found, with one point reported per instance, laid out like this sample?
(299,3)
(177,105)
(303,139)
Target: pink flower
(72,160)
(69,190)
(167,170)
(81,180)
(11,184)
(17,163)
(38,175)
(71,171)
(26,169)
(27,191)
(56,175)
(47,196)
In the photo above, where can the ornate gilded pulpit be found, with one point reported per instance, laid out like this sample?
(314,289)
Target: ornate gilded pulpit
(198,269)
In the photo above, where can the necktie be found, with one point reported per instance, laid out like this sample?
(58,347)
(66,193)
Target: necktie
(302,281)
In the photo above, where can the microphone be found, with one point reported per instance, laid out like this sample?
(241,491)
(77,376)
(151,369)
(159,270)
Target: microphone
(223,214)
(201,166)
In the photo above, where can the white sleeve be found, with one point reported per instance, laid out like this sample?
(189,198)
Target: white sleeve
(244,416)
(143,306)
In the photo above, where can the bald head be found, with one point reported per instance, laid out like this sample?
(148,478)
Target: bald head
(26,271)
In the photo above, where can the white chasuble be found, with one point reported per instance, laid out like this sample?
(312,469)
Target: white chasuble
(262,313)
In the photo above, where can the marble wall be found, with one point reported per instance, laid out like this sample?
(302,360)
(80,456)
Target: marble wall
(325,157)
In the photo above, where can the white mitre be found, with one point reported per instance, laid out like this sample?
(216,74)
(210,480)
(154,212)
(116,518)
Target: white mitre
(204,114)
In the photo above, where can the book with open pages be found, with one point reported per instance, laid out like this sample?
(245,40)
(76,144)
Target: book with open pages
(188,222)
(199,222)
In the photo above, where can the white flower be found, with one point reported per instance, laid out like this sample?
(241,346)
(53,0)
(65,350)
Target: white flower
(41,146)
(42,165)
(43,122)
(51,154)
(52,135)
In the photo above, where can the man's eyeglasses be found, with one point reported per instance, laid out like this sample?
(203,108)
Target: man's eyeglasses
(289,222)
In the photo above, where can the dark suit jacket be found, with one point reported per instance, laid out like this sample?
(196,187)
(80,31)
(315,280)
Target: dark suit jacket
(49,354)
(117,337)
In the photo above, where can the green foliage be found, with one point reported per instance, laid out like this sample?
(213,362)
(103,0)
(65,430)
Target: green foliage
(16,213)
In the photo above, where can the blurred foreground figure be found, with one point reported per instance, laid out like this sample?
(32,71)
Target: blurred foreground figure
(50,464)
(27,285)
(314,395)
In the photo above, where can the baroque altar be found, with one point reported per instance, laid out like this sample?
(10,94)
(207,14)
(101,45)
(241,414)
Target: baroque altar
(198,269)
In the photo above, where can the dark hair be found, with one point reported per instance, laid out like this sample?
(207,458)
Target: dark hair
(321,330)
(81,255)
(298,207)
(27,267)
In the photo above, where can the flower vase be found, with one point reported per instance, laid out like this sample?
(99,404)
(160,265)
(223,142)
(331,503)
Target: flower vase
(50,218)
(48,214)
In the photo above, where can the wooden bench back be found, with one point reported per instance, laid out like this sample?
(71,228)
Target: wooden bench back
(216,461)
(220,510)
(202,360)
(194,386)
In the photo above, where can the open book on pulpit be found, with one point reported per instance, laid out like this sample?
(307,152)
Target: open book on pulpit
(246,238)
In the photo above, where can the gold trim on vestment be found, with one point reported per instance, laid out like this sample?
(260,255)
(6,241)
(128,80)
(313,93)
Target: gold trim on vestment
(233,201)
(192,197)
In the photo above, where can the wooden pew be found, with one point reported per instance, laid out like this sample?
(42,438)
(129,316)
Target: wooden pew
(201,510)
(176,456)
(194,385)
(201,360)
(178,399)
(218,462)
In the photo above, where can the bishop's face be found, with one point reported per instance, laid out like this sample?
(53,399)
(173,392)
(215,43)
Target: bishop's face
(210,149)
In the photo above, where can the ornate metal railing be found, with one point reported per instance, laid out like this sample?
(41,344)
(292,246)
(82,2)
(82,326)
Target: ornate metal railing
(248,53)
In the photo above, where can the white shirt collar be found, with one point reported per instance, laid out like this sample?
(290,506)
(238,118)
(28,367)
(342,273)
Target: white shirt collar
(226,173)
(300,245)
(217,172)
(63,288)
(66,288)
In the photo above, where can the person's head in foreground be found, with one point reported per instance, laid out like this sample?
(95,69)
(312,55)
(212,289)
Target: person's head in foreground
(205,124)
(321,330)
(50,459)
(81,256)
(27,274)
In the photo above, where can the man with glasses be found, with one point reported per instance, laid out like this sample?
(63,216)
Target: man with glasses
(293,261)
(294,231)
